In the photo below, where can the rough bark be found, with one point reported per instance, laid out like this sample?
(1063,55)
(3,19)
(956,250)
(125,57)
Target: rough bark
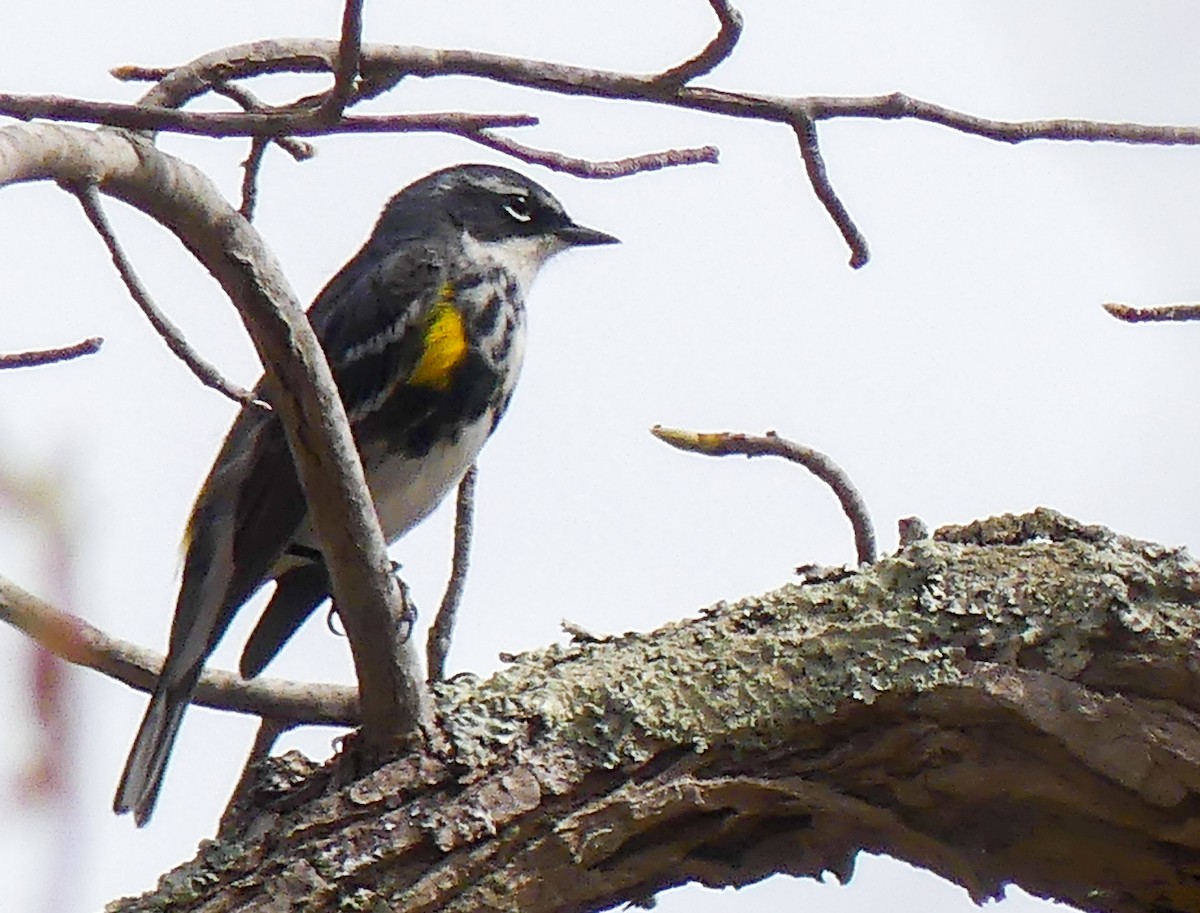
(1013,701)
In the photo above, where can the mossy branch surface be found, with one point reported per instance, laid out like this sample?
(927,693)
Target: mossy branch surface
(1011,701)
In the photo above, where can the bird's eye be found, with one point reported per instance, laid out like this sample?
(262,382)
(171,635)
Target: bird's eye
(518,208)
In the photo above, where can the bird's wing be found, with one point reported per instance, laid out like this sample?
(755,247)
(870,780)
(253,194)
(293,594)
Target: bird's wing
(369,321)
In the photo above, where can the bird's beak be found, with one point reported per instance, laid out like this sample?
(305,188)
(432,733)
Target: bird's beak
(579,236)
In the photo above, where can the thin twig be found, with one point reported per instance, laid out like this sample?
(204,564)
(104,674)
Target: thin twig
(818,178)
(714,53)
(1166,312)
(250,169)
(132,72)
(585,168)
(438,645)
(346,69)
(723,443)
(207,374)
(50,356)
(300,150)
(365,88)
(898,106)
(74,640)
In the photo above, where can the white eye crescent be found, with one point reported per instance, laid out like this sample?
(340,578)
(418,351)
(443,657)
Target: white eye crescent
(519,209)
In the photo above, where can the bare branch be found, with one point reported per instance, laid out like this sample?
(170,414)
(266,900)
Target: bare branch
(814,164)
(717,50)
(1166,312)
(307,56)
(74,640)
(270,123)
(300,150)
(898,106)
(346,70)
(437,646)
(50,356)
(207,374)
(723,443)
(382,66)
(250,169)
(584,168)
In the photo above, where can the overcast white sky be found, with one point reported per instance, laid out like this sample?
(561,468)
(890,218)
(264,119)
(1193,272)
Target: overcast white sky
(968,370)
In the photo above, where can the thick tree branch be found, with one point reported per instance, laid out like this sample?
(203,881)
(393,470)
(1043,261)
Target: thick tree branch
(72,639)
(1014,701)
(298,385)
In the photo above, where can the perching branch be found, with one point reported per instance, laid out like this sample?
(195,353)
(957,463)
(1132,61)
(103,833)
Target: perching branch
(50,356)
(725,443)
(74,640)
(785,733)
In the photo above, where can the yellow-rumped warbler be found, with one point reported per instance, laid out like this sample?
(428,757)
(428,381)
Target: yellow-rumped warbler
(425,331)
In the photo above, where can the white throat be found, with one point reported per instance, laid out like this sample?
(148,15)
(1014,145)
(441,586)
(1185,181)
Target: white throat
(520,257)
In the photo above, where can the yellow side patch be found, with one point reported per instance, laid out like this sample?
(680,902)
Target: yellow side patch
(445,343)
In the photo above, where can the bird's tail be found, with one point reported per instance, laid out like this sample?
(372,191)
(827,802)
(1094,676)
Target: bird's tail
(138,790)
